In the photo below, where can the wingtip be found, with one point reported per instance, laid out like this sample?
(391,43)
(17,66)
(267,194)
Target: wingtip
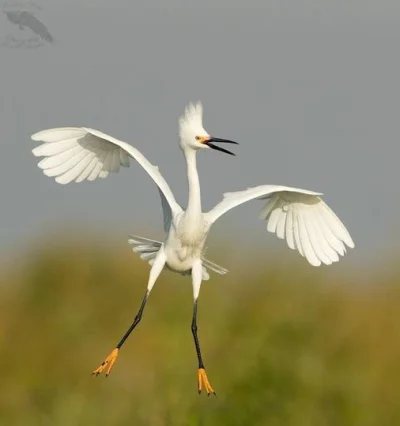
(36,152)
(314,262)
(35,137)
(60,181)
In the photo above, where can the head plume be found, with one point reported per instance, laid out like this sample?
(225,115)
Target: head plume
(191,120)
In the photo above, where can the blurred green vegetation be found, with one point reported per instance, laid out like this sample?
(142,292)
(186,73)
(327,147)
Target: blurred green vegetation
(283,343)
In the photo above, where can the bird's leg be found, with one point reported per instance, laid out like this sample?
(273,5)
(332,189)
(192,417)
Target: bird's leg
(202,379)
(110,360)
(155,271)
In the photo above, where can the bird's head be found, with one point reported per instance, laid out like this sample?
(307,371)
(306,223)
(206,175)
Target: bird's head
(192,133)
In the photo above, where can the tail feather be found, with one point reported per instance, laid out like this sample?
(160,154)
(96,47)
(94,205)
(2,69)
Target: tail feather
(214,267)
(148,250)
(135,239)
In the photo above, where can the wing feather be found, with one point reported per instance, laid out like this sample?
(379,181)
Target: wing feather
(297,233)
(274,217)
(267,209)
(298,216)
(70,162)
(52,148)
(317,246)
(75,154)
(289,228)
(61,134)
(281,225)
(337,225)
(305,240)
(124,159)
(324,239)
(88,169)
(75,171)
(97,169)
(59,159)
(114,167)
(106,169)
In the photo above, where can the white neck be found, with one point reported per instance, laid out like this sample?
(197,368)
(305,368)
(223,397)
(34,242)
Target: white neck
(194,203)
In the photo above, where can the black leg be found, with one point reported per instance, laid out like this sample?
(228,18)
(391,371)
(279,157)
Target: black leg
(156,269)
(136,321)
(110,360)
(202,379)
(195,337)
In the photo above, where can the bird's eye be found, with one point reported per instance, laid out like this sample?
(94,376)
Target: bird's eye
(197,138)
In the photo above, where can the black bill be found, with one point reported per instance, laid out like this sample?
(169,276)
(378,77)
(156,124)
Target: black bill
(218,148)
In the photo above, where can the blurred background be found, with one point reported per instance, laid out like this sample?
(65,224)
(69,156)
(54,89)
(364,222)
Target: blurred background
(310,89)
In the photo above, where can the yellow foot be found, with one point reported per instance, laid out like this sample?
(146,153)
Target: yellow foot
(202,380)
(107,363)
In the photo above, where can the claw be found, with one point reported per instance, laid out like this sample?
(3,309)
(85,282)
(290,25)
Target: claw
(107,363)
(202,380)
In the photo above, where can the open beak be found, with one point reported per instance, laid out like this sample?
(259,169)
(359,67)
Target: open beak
(209,142)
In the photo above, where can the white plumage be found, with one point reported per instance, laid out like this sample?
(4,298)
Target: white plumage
(301,217)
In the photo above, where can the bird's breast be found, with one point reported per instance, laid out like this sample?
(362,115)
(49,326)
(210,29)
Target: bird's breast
(185,245)
(191,231)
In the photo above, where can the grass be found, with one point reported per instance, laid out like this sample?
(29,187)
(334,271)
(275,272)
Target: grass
(286,344)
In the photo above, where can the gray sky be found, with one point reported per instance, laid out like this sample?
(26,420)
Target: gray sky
(310,89)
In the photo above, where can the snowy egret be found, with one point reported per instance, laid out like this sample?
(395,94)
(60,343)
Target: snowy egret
(75,154)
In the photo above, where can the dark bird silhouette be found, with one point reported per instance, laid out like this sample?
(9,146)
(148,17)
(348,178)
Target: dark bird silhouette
(25,19)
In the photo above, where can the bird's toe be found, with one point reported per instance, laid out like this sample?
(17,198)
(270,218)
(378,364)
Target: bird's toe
(108,363)
(202,381)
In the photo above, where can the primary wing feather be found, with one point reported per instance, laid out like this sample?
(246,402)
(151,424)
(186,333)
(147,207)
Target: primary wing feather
(298,216)
(75,154)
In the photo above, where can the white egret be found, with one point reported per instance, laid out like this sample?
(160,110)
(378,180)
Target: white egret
(75,154)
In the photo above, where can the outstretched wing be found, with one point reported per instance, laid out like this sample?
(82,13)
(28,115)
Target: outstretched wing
(35,25)
(299,216)
(75,154)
